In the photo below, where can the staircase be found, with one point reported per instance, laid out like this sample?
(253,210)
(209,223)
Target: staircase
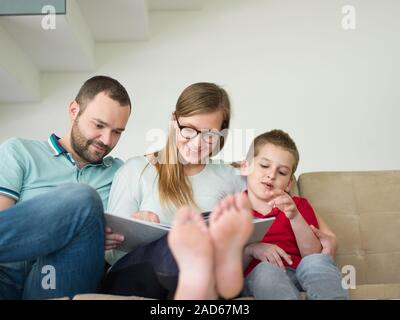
(27,49)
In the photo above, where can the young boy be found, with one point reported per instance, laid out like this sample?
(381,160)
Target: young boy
(289,258)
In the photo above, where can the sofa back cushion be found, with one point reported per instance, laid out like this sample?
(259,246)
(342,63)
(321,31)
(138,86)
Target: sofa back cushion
(363,209)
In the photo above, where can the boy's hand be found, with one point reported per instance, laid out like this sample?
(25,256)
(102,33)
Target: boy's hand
(146,216)
(269,252)
(284,202)
(112,240)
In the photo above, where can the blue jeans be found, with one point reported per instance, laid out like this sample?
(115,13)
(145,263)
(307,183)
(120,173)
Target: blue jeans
(148,271)
(52,245)
(316,274)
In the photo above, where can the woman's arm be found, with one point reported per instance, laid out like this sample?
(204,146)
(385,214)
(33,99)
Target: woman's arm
(121,202)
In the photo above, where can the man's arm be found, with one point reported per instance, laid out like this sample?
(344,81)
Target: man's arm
(6,202)
(13,159)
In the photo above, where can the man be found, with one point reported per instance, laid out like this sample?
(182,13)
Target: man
(51,217)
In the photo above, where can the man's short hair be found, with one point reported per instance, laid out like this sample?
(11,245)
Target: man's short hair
(93,86)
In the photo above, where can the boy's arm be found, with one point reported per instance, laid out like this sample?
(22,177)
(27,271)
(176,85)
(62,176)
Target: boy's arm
(307,241)
(247,257)
(263,251)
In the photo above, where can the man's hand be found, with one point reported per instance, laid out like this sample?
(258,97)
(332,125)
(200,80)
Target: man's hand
(269,252)
(328,241)
(284,202)
(146,216)
(112,239)
(6,202)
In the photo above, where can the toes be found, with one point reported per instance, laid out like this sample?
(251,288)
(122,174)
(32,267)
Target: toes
(242,202)
(232,201)
(193,215)
(231,204)
(183,215)
(200,223)
(231,212)
(221,208)
(227,202)
(187,215)
(224,204)
(216,213)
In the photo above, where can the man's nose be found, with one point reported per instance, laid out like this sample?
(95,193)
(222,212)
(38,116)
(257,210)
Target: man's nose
(106,138)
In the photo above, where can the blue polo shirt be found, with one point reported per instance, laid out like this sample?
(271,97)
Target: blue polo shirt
(29,168)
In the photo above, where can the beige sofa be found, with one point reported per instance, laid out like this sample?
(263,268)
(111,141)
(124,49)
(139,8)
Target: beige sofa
(363,209)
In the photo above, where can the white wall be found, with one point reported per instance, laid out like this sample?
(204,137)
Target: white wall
(285,64)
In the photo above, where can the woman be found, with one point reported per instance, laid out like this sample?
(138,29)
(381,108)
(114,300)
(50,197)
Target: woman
(153,187)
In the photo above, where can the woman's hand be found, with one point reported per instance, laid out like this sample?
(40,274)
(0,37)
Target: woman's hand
(269,252)
(112,240)
(146,216)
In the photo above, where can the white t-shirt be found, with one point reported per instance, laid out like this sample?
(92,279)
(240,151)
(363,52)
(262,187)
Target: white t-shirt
(135,188)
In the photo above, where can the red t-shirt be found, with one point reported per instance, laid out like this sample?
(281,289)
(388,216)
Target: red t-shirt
(281,234)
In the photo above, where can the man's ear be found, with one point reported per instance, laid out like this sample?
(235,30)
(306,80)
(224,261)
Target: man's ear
(73,110)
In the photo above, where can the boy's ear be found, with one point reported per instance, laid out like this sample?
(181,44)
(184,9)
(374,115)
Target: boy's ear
(245,168)
(289,186)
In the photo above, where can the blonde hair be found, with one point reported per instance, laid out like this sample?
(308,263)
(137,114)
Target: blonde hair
(278,138)
(199,98)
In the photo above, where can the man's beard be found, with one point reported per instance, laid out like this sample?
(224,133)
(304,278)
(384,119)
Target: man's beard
(81,146)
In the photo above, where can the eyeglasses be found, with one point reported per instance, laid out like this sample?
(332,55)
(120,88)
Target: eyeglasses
(209,136)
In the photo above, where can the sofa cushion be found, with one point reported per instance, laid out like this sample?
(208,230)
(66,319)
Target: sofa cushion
(363,209)
(376,291)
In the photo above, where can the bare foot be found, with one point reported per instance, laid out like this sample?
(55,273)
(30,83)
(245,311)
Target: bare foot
(230,227)
(192,248)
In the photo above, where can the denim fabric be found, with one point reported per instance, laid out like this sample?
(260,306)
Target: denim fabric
(150,271)
(316,274)
(64,229)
